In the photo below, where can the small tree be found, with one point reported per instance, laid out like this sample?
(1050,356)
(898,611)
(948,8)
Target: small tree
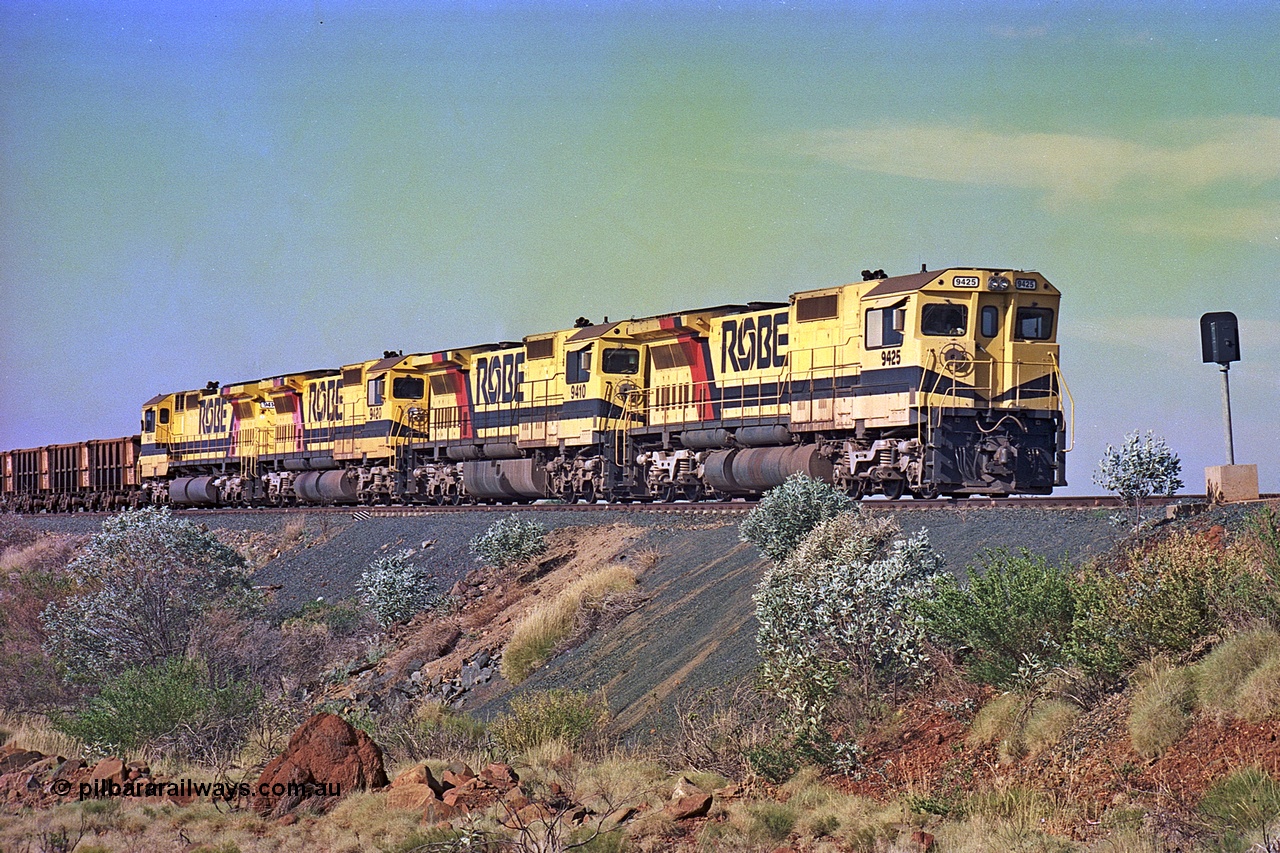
(138,589)
(787,513)
(510,541)
(1143,466)
(396,589)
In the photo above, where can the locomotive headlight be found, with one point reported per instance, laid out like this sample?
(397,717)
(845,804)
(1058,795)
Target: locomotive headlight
(997,282)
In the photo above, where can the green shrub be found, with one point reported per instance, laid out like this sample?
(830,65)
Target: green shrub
(1160,713)
(786,514)
(1240,804)
(1263,526)
(510,541)
(1224,670)
(343,618)
(1018,605)
(142,707)
(432,731)
(570,716)
(838,607)
(1160,598)
(396,590)
(774,761)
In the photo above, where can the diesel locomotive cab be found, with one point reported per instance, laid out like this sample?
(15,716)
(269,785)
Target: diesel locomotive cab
(991,420)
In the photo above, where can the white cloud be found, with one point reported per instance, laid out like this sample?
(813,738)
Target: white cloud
(1260,224)
(1174,160)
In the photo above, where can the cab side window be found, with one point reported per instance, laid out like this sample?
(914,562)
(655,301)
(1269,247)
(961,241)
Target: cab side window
(622,360)
(942,320)
(377,390)
(577,366)
(149,420)
(884,326)
(408,387)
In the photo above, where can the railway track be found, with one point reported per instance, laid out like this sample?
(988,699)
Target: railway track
(734,507)
(737,507)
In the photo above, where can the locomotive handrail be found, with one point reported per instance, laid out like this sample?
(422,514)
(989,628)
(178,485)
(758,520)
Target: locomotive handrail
(1062,383)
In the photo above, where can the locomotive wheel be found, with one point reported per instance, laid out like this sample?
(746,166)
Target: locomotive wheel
(586,493)
(692,492)
(893,489)
(669,493)
(927,492)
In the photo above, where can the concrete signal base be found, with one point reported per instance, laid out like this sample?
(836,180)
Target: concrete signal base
(1226,484)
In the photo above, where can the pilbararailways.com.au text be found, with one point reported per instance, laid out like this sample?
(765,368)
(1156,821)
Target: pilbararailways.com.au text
(189,788)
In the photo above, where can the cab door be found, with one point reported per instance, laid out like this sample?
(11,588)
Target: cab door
(990,357)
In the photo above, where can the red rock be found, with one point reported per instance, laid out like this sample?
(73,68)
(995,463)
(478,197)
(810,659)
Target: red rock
(466,793)
(688,801)
(325,751)
(107,768)
(499,775)
(515,799)
(69,769)
(420,775)
(529,815)
(410,796)
(694,805)
(441,812)
(456,776)
(18,759)
(924,841)
(619,816)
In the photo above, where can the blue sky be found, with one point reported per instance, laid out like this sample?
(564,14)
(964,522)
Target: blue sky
(227,191)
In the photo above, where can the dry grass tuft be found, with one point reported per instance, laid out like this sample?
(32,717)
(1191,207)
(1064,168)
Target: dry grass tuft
(1050,719)
(1259,697)
(47,553)
(548,625)
(292,532)
(1161,710)
(647,558)
(997,719)
(31,731)
(1225,670)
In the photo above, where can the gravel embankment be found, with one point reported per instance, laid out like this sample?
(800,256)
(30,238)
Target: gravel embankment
(696,628)
(697,631)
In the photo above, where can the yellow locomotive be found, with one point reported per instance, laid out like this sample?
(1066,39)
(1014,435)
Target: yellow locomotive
(943,382)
